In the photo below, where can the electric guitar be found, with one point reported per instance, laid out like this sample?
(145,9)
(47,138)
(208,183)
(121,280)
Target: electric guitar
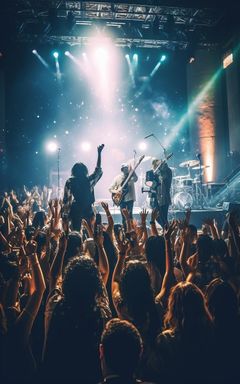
(121,191)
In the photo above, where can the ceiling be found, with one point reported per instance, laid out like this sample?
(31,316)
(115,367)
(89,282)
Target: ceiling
(149,24)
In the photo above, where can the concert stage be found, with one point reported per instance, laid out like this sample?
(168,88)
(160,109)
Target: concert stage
(197,215)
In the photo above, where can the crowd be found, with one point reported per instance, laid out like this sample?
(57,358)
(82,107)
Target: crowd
(113,303)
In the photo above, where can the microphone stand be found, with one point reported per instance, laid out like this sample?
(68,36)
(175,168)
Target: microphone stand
(159,142)
(199,156)
(58,172)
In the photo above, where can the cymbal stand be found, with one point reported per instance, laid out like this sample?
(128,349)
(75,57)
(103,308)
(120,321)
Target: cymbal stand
(201,199)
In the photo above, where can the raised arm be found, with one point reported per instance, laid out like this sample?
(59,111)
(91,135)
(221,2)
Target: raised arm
(185,252)
(143,215)
(26,318)
(57,264)
(169,278)
(122,250)
(103,260)
(99,158)
(109,218)
(154,216)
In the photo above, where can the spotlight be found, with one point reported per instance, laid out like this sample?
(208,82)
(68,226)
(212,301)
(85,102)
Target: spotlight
(142,146)
(135,57)
(34,51)
(51,146)
(163,58)
(85,146)
(55,54)
(67,53)
(101,55)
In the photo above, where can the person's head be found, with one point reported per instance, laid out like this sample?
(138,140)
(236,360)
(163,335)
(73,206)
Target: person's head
(120,349)
(39,220)
(222,302)
(79,170)
(155,252)
(205,248)
(82,282)
(74,246)
(125,168)
(89,248)
(186,310)
(136,291)
(155,163)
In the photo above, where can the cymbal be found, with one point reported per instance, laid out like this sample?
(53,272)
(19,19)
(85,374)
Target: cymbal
(189,163)
(202,167)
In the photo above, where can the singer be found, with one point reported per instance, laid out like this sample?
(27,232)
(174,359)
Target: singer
(160,197)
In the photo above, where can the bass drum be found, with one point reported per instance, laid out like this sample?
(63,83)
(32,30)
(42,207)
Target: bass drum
(182,200)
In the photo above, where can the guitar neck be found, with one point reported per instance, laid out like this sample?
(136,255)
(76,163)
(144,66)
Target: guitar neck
(131,172)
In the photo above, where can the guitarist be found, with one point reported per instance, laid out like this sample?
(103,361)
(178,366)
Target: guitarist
(128,192)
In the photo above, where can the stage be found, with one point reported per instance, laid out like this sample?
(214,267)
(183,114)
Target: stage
(197,215)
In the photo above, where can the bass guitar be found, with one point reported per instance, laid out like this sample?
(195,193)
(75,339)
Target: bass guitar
(121,192)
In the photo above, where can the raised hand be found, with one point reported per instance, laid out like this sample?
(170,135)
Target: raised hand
(105,206)
(169,231)
(100,148)
(31,247)
(88,228)
(143,215)
(154,215)
(209,221)
(98,236)
(126,213)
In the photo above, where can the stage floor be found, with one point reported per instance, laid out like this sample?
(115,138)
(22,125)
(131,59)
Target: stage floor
(197,215)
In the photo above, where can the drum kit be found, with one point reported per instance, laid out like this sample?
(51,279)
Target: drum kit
(187,190)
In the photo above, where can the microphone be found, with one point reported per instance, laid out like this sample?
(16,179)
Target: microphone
(146,137)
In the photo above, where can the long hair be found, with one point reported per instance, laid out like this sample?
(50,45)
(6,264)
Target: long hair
(187,310)
(79,170)
(137,295)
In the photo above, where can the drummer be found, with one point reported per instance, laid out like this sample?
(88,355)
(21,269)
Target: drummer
(160,198)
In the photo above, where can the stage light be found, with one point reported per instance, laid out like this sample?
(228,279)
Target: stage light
(135,57)
(142,146)
(85,146)
(55,54)
(51,146)
(34,51)
(66,53)
(101,55)
(163,58)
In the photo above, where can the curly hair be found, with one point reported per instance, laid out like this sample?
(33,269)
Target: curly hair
(82,281)
(119,337)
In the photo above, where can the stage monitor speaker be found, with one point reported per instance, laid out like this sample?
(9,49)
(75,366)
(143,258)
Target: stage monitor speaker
(229,207)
